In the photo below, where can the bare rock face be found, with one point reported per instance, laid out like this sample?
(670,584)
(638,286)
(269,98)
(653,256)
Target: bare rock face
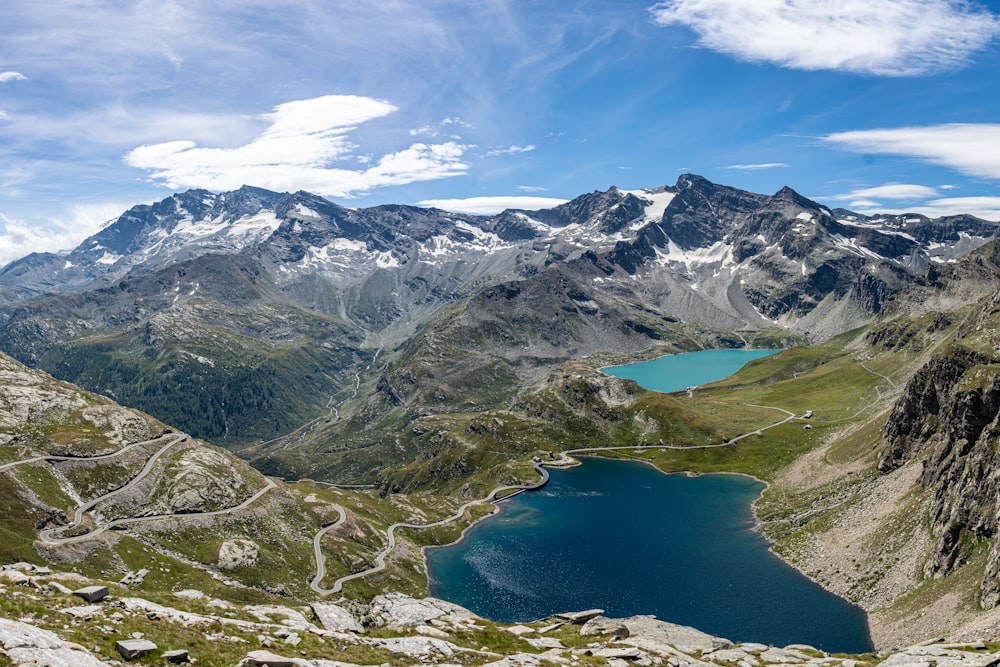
(205,480)
(396,610)
(648,632)
(949,416)
(27,645)
(336,618)
(238,553)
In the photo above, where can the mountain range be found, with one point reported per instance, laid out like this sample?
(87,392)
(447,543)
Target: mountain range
(253,316)
(433,355)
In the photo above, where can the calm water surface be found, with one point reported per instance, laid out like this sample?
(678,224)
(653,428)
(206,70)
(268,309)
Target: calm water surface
(626,538)
(679,371)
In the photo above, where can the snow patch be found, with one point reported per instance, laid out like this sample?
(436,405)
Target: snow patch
(108,258)
(656,204)
(851,245)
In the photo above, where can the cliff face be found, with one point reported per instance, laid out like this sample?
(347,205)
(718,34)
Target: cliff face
(948,417)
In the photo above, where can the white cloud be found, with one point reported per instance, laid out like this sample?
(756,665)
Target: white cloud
(864,204)
(901,191)
(11,76)
(491,205)
(510,150)
(530,188)
(758,167)
(884,37)
(972,149)
(296,151)
(19,238)
(987,208)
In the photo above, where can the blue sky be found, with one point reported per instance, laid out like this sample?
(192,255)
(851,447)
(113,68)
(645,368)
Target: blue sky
(868,104)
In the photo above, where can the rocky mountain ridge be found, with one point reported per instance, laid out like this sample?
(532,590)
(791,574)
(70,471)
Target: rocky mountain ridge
(251,315)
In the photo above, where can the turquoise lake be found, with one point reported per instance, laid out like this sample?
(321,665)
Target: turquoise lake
(676,372)
(626,538)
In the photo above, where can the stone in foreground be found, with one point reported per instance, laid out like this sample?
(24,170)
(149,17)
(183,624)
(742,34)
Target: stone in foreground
(130,649)
(92,593)
(335,618)
(258,658)
(177,657)
(579,617)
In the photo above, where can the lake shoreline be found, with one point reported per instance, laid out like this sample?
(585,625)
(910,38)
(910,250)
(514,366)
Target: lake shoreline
(510,583)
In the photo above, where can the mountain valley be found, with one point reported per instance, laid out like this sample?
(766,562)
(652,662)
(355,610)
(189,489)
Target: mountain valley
(432,355)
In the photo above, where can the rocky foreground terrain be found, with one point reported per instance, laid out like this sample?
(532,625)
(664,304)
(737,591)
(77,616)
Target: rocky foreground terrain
(67,620)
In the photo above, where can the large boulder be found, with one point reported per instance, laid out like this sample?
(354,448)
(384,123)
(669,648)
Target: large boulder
(336,619)
(650,633)
(396,610)
(27,645)
(238,553)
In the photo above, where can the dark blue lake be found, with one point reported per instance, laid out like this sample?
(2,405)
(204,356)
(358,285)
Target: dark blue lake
(675,372)
(628,539)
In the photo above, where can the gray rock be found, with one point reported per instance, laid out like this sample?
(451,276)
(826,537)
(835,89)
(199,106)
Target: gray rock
(605,626)
(737,655)
(83,611)
(516,660)
(92,593)
(238,553)
(398,610)
(617,652)
(418,647)
(777,655)
(544,642)
(579,617)
(25,644)
(178,656)
(646,631)
(16,577)
(56,587)
(134,578)
(130,649)
(271,660)
(335,618)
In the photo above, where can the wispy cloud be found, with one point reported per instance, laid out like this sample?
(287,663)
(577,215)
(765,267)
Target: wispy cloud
(510,150)
(447,126)
(19,238)
(530,188)
(987,208)
(11,76)
(491,205)
(297,151)
(758,167)
(894,191)
(889,38)
(972,149)
(921,199)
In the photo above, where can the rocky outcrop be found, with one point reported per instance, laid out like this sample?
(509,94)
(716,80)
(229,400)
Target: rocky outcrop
(949,419)
(25,644)
(397,610)
(238,553)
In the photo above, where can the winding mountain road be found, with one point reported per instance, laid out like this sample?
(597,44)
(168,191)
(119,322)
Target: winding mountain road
(520,488)
(61,457)
(46,535)
(391,533)
(171,439)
